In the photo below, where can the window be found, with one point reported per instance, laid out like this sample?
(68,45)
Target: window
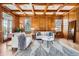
(7,24)
(27,25)
(58,25)
(65,25)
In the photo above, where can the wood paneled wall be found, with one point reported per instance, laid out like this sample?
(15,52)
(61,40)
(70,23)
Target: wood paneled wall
(1,32)
(77,26)
(65,28)
(43,22)
(15,23)
(71,16)
(74,16)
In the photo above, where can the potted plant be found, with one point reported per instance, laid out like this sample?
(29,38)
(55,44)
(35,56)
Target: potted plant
(18,30)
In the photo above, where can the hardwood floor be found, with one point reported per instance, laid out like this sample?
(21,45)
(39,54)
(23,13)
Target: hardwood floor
(6,49)
(70,43)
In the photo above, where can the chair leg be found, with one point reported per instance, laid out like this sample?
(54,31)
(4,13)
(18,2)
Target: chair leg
(52,42)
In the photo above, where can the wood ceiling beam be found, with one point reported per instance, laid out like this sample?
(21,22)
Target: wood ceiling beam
(33,9)
(37,15)
(22,3)
(19,8)
(40,10)
(67,4)
(55,4)
(39,4)
(71,4)
(7,10)
(22,10)
(56,10)
(46,9)
(60,8)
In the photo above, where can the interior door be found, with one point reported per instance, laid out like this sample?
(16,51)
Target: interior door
(72,31)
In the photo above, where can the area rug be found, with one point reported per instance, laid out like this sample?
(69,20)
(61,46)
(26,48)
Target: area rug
(38,48)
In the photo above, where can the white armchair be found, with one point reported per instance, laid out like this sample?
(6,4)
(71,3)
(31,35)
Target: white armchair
(15,40)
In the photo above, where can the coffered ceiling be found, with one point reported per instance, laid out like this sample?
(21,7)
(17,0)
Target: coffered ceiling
(39,8)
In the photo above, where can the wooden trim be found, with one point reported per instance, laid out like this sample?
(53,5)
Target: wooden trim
(67,4)
(60,8)
(76,6)
(33,9)
(19,8)
(39,15)
(40,10)
(7,10)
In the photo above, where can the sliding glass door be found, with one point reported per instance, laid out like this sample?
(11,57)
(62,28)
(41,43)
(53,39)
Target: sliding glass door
(7,25)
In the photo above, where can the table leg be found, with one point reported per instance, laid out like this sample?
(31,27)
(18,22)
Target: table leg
(48,44)
(42,41)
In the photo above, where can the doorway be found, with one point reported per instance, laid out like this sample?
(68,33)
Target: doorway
(72,31)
